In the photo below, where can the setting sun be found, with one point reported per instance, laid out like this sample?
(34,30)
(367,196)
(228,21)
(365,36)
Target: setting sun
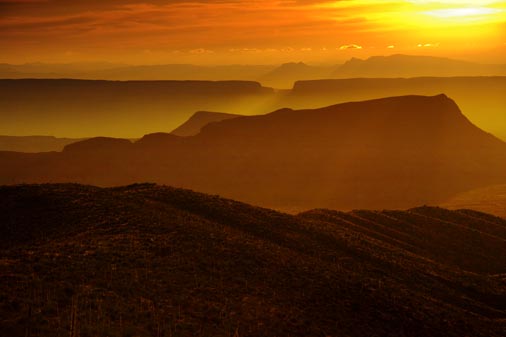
(477,13)
(226,31)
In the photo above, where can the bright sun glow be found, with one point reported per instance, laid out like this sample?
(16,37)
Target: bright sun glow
(414,11)
(456,2)
(430,23)
(475,10)
(462,12)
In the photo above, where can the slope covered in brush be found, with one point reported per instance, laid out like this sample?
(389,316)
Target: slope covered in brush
(146,260)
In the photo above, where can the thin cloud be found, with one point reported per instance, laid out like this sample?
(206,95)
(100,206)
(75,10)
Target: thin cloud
(117,27)
(350,46)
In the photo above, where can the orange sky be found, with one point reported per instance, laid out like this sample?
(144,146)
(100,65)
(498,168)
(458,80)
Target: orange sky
(259,32)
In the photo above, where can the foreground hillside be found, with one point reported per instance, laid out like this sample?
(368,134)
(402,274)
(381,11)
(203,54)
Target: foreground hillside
(396,152)
(146,260)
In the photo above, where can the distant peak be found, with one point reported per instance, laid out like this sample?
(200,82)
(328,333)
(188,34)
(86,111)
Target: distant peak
(198,120)
(294,64)
(282,111)
(202,113)
(354,60)
(157,137)
(98,144)
(442,96)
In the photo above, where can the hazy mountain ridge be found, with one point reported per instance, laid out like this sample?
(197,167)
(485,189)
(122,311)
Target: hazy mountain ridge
(352,155)
(34,143)
(136,72)
(198,120)
(80,109)
(414,66)
(147,259)
(480,98)
(286,74)
(278,76)
(132,108)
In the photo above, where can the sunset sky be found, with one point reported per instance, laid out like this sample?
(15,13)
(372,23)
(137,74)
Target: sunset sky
(254,32)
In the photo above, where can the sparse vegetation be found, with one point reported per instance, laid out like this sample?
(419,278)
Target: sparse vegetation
(148,260)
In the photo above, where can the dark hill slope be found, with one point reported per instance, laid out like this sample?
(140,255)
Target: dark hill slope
(146,260)
(389,153)
(198,120)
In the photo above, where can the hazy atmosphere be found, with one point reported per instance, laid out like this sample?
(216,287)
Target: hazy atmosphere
(252,32)
(252,168)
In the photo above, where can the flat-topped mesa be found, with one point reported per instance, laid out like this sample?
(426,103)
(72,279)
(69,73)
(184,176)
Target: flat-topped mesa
(394,152)
(174,86)
(397,118)
(34,144)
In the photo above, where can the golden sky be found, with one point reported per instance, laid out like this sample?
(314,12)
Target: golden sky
(245,31)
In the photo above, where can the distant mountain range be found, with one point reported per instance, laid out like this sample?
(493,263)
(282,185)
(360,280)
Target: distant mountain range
(414,66)
(80,109)
(481,99)
(282,76)
(138,72)
(287,74)
(387,153)
(34,143)
(147,260)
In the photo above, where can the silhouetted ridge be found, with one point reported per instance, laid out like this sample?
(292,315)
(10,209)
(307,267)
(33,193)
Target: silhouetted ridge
(413,66)
(404,116)
(168,86)
(286,74)
(157,138)
(34,144)
(198,120)
(104,144)
(395,152)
